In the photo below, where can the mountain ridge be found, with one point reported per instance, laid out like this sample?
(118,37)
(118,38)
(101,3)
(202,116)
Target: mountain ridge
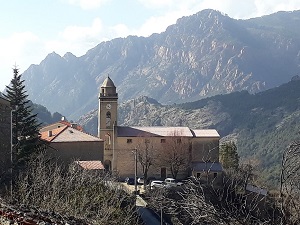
(201,55)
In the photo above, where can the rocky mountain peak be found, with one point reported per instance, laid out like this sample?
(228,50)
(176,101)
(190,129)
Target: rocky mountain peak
(201,55)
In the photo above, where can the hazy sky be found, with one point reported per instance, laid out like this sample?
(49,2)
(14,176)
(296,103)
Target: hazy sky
(31,29)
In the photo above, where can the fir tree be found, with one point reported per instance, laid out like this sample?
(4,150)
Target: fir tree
(229,156)
(25,134)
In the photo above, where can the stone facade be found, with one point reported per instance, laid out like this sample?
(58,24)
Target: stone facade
(122,143)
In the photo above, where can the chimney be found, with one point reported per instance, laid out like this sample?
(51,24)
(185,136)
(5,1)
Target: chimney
(49,133)
(63,118)
(74,125)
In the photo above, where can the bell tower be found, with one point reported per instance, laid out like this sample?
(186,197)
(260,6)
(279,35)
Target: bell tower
(107,119)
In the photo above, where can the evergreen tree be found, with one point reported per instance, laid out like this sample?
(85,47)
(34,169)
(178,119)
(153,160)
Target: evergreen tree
(229,156)
(25,134)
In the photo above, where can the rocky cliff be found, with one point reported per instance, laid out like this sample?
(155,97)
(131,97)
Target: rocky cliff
(201,55)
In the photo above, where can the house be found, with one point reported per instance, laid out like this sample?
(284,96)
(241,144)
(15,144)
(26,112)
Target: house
(5,135)
(68,143)
(121,144)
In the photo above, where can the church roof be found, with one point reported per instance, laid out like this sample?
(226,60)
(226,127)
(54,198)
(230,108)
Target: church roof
(108,83)
(206,133)
(157,131)
(160,131)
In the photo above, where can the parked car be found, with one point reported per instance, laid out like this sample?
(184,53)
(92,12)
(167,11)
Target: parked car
(140,180)
(171,182)
(149,179)
(156,184)
(129,180)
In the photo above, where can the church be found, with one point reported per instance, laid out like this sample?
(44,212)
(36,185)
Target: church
(161,151)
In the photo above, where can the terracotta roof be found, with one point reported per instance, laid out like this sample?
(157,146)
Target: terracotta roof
(73,125)
(206,133)
(60,124)
(90,165)
(66,134)
(72,135)
(49,135)
(154,131)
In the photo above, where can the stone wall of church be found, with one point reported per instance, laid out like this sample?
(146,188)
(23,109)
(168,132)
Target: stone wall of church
(201,149)
(205,149)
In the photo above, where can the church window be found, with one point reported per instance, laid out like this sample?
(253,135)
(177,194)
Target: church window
(162,140)
(129,141)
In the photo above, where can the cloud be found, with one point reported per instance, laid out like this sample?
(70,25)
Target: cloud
(77,39)
(236,9)
(88,4)
(264,7)
(157,24)
(20,49)
(157,3)
(121,30)
(77,33)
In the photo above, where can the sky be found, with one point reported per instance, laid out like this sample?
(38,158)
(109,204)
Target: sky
(32,29)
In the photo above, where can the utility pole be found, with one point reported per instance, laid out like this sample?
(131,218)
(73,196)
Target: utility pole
(161,215)
(11,152)
(135,171)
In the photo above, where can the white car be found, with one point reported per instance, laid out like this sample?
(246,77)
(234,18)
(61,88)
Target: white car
(156,184)
(140,180)
(171,182)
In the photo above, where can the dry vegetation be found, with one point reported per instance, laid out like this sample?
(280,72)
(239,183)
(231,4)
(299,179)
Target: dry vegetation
(93,197)
(233,204)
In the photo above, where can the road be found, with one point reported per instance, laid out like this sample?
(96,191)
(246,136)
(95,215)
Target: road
(148,216)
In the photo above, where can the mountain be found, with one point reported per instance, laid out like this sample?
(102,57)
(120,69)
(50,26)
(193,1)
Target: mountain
(44,117)
(262,124)
(201,55)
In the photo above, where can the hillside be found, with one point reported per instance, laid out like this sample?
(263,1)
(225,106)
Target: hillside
(263,124)
(201,55)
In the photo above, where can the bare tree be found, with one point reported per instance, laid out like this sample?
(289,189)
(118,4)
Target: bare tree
(196,203)
(146,155)
(176,153)
(290,184)
(92,196)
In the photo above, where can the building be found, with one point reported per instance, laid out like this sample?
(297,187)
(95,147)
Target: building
(67,143)
(123,144)
(5,136)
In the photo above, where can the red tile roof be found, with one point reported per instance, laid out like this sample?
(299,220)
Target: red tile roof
(90,165)
(53,133)
(66,134)
(72,135)
(61,124)
(73,125)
